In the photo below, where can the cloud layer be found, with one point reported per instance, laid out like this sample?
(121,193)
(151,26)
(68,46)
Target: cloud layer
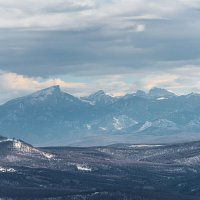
(120,43)
(180,81)
(50,37)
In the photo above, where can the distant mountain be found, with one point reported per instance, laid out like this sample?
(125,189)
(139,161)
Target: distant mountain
(53,117)
(160,93)
(99,98)
(141,93)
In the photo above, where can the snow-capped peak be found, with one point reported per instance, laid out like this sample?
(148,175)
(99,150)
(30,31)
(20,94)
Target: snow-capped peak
(47,91)
(99,97)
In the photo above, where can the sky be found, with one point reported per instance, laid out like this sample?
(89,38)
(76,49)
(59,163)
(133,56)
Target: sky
(118,46)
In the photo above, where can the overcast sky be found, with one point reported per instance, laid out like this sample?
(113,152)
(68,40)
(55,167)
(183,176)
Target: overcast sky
(87,45)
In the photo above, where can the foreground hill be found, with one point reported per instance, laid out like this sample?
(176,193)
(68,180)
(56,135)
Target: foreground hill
(52,117)
(122,171)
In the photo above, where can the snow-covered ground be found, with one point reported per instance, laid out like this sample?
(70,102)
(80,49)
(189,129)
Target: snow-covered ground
(83,168)
(9,170)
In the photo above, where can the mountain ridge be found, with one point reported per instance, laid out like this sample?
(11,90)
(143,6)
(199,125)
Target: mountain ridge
(51,116)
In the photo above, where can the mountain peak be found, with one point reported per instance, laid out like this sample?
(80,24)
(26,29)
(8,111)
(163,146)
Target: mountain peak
(47,91)
(54,88)
(159,92)
(98,93)
(140,93)
(99,97)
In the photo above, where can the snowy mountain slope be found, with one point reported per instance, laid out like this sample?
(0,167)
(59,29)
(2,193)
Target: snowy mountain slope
(15,152)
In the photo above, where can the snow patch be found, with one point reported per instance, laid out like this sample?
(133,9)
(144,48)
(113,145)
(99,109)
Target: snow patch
(103,128)
(116,123)
(161,98)
(83,168)
(86,101)
(122,121)
(9,170)
(145,126)
(47,155)
(88,126)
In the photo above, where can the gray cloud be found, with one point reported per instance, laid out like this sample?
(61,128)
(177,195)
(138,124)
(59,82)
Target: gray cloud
(97,38)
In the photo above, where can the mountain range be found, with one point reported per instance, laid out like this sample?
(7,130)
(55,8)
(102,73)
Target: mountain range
(53,117)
